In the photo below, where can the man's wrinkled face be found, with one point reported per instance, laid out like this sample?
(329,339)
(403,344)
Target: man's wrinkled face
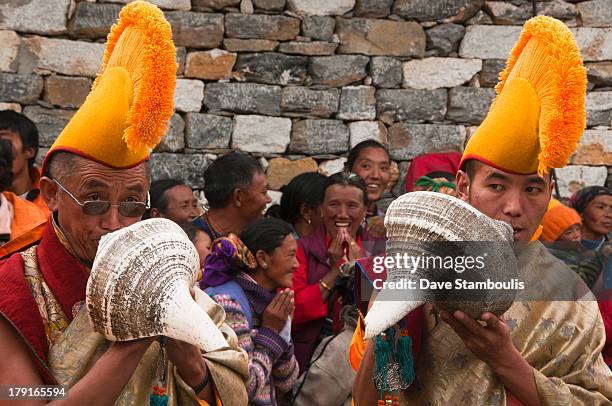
(520,200)
(20,154)
(254,198)
(182,205)
(94,181)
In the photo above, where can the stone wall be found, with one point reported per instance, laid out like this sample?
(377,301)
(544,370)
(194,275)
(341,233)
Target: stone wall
(298,82)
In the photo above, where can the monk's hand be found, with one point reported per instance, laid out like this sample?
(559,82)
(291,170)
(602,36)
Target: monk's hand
(188,361)
(490,343)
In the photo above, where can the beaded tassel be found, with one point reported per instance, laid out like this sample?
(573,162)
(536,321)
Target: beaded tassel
(159,396)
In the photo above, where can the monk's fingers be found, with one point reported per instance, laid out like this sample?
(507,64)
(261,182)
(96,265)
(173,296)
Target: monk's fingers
(461,331)
(494,323)
(469,323)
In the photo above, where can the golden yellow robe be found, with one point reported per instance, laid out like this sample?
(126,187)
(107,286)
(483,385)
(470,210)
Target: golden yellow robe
(561,340)
(74,347)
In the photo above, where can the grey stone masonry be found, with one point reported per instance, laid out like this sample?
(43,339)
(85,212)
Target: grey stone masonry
(272,68)
(24,89)
(300,101)
(242,98)
(469,104)
(407,141)
(338,70)
(207,131)
(411,105)
(315,137)
(191,167)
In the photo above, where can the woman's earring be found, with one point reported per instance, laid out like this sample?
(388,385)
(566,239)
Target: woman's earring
(264,265)
(308,221)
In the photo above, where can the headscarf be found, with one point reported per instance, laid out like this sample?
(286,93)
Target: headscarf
(227,258)
(581,199)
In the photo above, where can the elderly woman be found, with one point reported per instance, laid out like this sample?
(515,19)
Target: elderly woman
(325,263)
(251,278)
(594,204)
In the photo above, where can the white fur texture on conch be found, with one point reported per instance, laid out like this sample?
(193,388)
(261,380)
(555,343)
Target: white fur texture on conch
(139,287)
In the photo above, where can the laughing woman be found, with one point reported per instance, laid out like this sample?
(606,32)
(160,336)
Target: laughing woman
(320,280)
(251,278)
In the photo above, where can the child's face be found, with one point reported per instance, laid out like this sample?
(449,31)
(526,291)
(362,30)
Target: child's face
(571,234)
(202,243)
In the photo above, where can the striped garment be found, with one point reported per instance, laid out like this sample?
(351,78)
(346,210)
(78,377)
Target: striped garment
(271,359)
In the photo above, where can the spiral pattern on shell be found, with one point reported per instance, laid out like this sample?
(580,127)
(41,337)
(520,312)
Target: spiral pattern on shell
(139,286)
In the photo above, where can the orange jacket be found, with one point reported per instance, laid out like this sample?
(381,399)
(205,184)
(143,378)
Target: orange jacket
(26,227)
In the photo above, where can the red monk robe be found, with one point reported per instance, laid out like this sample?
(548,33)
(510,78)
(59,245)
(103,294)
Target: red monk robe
(65,276)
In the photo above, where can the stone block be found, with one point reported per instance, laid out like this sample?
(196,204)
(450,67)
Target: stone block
(444,38)
(189,168)
(281,170)
(595,13)
(196,30)
(314,48)
(386,71)
(491,68)
(480,18)
(163,4)
(357,103)
(188,95)
(207,131)
(373,8)
(65,91)
(58,55)
(24,89)
(50,123)
(338,70)
(261,134)
(595,43)
(599,108)
(506,13)
(215,64)
(574,177)
(488,41)
(367,130)
(272,68)
(8,52)
(469,104)
(243,98)
(93,20)
(249,45)
(332,166)
(271,27)
(595,148)
(181,56)
(10,106)
(434,73)
(47,17)
(321,7)
(411,105)
(407,141)
(437,10)
(174,140)
(269,5)
(319,28)
(561,10)
(305,102)
(314,137)
(380,37)
(600,73)
(208,5)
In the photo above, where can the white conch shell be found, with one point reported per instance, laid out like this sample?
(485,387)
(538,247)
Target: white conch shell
(139,287)
(418,222)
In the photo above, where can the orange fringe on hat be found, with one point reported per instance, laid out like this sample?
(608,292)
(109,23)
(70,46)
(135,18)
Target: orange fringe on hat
(150,59)
(556,71)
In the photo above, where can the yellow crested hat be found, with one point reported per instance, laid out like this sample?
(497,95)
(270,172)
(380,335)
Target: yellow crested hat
(131,101)
(538,116)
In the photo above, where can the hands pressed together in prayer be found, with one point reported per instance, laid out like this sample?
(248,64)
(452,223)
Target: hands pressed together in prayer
(343,245)
(492,344)
(279,310)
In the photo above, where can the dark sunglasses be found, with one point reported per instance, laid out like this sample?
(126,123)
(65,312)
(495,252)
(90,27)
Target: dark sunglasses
(97,207)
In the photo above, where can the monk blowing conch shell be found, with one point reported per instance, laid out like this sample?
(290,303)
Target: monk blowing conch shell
(423,226)
(140,287)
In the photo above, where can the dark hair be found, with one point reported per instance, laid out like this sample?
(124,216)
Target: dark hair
(348,179)
(191,230)
(227,173)
(441,174)
(157,194)
(273,212)
(6,164)
(356,151)
(265,234)
(306,188)
(25,129)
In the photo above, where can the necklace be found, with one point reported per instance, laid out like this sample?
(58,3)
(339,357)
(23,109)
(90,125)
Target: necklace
(213,232)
